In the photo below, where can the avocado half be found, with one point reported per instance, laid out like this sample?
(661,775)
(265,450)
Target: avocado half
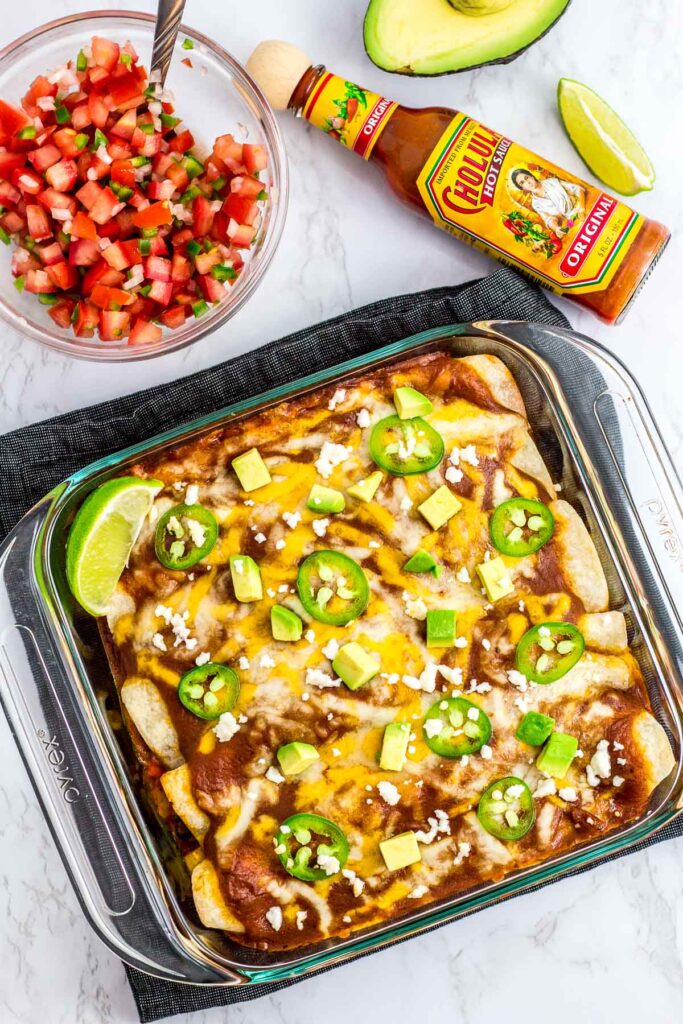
(437,37)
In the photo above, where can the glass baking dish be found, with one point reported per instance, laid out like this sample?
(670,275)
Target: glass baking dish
(597,436)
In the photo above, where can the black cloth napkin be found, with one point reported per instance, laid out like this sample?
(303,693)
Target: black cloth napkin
(35,458)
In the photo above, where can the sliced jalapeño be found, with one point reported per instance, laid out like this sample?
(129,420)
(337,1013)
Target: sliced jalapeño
(548,651)
(184,535)
(506,809)
(405,447)
(310,847)
(521,526)
(455,726)
(208,691)
(332,587)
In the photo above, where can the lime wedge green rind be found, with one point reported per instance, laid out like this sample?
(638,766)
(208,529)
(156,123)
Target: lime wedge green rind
(605,144)
(102,536)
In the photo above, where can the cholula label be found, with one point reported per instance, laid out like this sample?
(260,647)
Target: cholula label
(505,200)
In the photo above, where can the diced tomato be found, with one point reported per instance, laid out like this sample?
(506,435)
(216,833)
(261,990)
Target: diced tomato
(103,208)
(154,216)
(95,273)
(12,120)
(98,110)
(124,219)
(161,164)
(243,236)
(105,53)
(212,290)
(99,168)
(62,312)
(245,186)
(106,297)
(241,208)
(181,142)
(138,200)
(81,117)
(83,226)
(63,275)
(87,319)
(181,238)
(49,254)
(125,91)
(181,269)
(62,176)
(161,292)
(174,317)
(38,223)
(12,222)
(132,53)
(229,153)
(114,324)
(44,157)
(145,333)
(28,181)
(9,195)
(119,149)
(53,201)
(23,261)
(146,145)
(65,140)
(10,162)
(255,158)
(202,216)
(126,125)
(38,282)
(123,172)
(157,268)
(205,260)
(160,189)
(39,88)
(89,194)
(83,252)
(158,246)
(116,256)
(176,173)
(131,251)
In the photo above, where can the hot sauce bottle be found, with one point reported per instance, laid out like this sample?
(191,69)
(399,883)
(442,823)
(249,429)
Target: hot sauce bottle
(478,185)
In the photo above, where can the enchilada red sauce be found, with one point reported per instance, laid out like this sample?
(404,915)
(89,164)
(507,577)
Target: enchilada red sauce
(435,797)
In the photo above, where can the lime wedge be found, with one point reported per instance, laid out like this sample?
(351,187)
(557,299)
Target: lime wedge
(102,536)
(606,144)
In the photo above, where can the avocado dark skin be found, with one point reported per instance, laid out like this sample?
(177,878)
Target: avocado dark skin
(484,22)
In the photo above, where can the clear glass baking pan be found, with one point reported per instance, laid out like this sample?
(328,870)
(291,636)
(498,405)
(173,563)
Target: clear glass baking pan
(598,437)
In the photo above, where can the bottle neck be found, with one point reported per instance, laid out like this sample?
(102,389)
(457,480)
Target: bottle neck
(354,116)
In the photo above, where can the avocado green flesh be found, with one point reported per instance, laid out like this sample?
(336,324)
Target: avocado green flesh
(433,38)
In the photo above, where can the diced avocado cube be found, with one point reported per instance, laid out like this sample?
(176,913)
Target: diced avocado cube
(296,757)
(394,747)
(246,578)
(325,499)
(439,507)
(423,561)
(557,755)
(400,851)
(535,728)
(251,470)
(285,624)
(440,628)
(410,402)
(354,665)
(495,577)
(366,489)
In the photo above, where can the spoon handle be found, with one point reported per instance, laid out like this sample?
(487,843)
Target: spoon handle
(169,14)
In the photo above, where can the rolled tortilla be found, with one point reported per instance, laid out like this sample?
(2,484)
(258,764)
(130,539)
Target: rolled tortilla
(654,748)
(498,380)
(604,631)
(208,899)
(149,713)
(578,558)
(177,786)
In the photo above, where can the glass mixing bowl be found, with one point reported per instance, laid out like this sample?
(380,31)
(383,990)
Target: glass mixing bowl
(214,97)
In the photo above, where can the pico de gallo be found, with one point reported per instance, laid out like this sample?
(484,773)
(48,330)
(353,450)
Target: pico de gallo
(120,226)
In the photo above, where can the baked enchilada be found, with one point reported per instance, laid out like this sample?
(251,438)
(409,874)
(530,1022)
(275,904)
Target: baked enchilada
(365,655)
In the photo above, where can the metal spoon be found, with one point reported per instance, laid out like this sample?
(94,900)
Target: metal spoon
(169,14)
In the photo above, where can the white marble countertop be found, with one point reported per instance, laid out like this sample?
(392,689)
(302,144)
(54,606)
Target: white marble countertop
(604,946)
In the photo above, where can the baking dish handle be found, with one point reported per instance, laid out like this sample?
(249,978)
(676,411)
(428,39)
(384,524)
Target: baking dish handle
(57,766)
